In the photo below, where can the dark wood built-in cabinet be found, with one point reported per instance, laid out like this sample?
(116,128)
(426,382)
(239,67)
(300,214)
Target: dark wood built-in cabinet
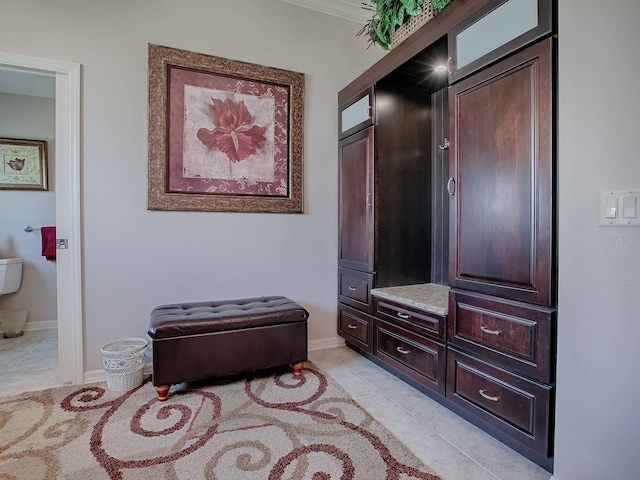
(416,356)
(511,404)
(516,335)
(356,201)
(501,150)
(447,182)
(411,341)
(385,208)
(356,327)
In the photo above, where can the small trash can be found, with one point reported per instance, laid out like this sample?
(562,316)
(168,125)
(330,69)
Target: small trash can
(123,361)
(12,322)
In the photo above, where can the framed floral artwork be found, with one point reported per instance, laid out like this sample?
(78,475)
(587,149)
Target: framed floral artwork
(24,164)
(224,135)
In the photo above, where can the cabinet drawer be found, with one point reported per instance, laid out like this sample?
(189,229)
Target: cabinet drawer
(355,327)
(519,336)
(412,318)
(511,403)
(417,357)
(355,287)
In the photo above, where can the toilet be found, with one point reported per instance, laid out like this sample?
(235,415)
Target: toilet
(11,321)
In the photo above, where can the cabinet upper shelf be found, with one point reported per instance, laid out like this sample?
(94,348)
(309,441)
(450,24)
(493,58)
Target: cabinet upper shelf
(462,28)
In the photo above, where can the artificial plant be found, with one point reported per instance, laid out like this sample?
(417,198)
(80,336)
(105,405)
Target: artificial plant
(438,5)
(390,14)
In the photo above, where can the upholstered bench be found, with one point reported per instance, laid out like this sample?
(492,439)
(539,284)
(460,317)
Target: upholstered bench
(197,341)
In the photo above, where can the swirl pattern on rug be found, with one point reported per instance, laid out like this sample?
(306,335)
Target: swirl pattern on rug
(271,425)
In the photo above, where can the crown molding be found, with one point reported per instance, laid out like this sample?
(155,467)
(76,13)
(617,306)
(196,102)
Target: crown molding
(347,9)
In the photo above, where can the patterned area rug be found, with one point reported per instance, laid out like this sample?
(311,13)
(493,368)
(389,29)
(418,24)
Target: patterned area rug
(267,426)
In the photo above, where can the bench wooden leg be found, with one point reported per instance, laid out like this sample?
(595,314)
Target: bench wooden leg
(163,392)
(297,368)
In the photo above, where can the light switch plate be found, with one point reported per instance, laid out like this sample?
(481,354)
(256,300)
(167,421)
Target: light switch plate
(619,208)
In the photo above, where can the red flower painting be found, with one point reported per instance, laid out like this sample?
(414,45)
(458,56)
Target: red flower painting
(234,132)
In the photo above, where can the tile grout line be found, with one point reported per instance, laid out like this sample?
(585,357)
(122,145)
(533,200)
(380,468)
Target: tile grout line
(419,421)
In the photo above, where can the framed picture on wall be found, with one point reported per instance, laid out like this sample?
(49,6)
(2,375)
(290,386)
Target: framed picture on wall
(224,135)
(24,164)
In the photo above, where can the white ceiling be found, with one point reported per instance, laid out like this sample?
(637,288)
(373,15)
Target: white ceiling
(27,82)
(348,9)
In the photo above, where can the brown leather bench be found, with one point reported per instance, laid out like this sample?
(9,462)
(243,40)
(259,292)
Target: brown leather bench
(201,340)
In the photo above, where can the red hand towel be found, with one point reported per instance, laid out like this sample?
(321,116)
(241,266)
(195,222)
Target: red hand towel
(49,242)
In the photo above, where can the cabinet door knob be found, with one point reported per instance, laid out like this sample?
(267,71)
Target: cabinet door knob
(444,145)
(451,186)
(403,315)
(489,331)
(352,289)
(487,396)
(352,326)
(402,350)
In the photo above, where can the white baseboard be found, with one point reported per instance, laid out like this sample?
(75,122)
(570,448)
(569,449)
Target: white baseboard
(41,325)
(92,376)
(324,343)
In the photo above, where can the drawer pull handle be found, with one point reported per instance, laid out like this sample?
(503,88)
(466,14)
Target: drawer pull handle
(489,331)
(403,315)
(352,326)
(402,350)
(352,289)
(487,396)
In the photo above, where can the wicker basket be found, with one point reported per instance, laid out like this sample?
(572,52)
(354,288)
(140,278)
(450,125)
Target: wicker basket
(123,362)
(412,24)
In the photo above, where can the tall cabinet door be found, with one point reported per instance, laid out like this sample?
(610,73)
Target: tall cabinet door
(356,159)
(501,186)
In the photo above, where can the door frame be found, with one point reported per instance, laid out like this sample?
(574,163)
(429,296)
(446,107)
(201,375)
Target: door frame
(68,222)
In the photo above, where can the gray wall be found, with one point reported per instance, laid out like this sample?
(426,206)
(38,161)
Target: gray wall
(135,259)
(27,117)
(597,419)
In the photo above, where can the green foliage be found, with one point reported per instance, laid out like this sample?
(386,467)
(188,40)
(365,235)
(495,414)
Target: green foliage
(390,14)
(438,5)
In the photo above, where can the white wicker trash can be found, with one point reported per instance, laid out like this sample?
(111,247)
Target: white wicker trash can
(123,362)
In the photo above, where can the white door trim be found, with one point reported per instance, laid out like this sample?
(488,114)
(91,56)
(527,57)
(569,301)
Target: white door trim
(67,189)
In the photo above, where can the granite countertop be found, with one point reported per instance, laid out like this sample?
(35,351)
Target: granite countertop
(427,296)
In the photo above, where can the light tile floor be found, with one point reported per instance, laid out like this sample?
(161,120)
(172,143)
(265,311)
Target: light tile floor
(29,362)
(451,446)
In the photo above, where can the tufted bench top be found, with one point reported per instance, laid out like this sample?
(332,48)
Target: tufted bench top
(183,319)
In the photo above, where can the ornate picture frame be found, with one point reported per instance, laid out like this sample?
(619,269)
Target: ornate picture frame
(24,164)
(224,135)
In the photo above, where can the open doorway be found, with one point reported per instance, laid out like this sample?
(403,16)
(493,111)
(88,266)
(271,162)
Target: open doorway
(67,210)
